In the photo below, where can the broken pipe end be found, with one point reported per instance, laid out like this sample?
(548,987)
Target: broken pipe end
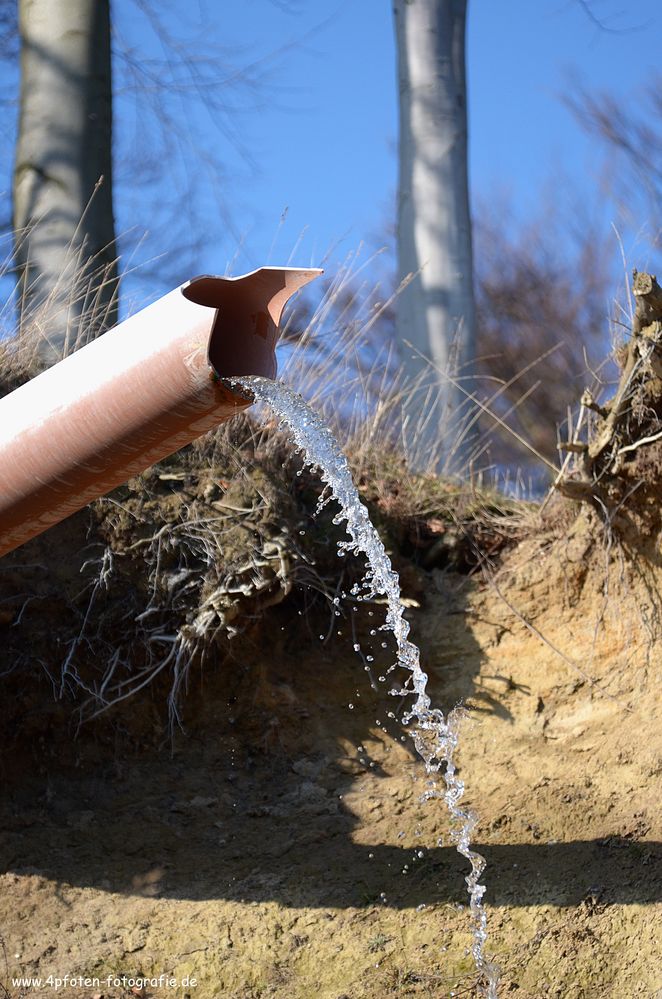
(249,309)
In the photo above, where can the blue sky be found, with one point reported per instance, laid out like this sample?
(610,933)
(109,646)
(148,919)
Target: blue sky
(321,129)
(328,148)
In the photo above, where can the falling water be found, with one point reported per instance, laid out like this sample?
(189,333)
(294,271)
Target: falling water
(434,736)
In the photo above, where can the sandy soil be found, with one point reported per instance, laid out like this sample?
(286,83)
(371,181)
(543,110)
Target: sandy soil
(280,846)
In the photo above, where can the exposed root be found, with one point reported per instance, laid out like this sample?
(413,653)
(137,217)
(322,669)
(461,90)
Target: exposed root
(617,464)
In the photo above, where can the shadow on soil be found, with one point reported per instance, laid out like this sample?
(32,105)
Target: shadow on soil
(255,845)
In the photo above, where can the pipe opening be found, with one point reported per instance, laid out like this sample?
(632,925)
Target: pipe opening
(248,310)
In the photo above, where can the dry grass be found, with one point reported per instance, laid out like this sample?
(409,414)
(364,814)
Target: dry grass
(37,331)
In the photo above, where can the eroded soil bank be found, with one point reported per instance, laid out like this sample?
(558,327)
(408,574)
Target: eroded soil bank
(279,846)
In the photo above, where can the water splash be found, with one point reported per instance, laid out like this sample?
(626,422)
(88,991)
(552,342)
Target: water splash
(435,736)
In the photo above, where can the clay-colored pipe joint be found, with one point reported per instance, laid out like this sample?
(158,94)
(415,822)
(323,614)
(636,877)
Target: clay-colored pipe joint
(136,394)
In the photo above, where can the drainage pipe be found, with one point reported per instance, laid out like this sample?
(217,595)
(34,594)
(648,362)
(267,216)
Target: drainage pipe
(136,394)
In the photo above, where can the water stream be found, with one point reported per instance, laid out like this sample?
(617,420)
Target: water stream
(434,735)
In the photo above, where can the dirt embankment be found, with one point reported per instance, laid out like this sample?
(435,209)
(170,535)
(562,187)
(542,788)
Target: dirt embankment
(279,846)
(250,818)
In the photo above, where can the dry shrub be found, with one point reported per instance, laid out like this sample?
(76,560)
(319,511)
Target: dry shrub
(543,315)
(630,133)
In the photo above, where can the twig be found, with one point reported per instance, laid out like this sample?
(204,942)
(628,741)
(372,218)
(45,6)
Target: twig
(640,443)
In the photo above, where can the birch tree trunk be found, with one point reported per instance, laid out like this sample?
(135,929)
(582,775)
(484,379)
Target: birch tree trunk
(63,214)
(436,311)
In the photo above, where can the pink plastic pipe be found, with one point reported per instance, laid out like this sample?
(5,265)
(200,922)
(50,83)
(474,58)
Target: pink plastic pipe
(135,395)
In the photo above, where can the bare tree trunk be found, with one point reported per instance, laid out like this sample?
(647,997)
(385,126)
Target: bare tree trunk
(436,311)
(63,213)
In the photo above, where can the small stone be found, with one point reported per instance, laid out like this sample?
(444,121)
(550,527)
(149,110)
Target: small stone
(200,802)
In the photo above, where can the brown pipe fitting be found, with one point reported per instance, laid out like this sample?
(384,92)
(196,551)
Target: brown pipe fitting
(135,395)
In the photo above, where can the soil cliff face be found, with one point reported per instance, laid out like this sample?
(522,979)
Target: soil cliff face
(279,846)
